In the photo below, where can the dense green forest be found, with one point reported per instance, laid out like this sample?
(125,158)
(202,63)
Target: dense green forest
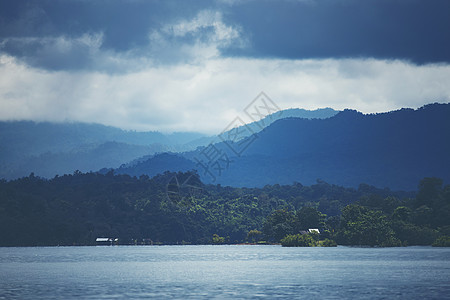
(175,208)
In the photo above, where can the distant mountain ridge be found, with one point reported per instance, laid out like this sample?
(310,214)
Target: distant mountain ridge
(394,149)
(48,149)
(257,126)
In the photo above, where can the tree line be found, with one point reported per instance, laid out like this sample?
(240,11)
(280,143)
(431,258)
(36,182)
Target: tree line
(374,220)
(173,208)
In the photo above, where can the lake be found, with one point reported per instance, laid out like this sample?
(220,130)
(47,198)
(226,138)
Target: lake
(236,271)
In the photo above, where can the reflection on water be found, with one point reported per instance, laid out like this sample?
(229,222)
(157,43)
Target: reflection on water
(204,272)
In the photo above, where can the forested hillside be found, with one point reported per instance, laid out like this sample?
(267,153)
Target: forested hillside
(178,208)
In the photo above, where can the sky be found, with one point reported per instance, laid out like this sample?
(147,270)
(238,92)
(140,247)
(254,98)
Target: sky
(196,65)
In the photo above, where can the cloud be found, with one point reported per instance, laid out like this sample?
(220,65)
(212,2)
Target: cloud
(182,41)
(194,40)
(383,29)
(290,29)
(208,95)
(182,77)
(56,53)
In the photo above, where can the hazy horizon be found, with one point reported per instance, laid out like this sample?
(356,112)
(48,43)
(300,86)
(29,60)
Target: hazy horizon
(204,133)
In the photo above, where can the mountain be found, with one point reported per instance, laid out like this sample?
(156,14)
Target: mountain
(257,126)
(394,149)
(48,149)
(157,164)
(110,154)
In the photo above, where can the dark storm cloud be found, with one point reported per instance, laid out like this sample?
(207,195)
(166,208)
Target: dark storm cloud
(390,29)
(79,34)
(125,23)
(31,30)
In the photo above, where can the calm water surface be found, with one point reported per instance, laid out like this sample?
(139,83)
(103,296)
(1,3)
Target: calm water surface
(205,272)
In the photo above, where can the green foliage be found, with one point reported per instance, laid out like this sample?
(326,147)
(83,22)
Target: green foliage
(283,222)
(412,234)
(254,235)
(315,236)
(363,226)
(298,240)
(279,224)
(327,243)
(429,191)
(390,222)
(402,214)
(218,239)
(431,207)
(392,241)
(309,217)
(443,241)
(306,240)
(75,209)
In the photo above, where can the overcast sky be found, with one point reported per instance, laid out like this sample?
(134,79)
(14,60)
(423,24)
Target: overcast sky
(195,65)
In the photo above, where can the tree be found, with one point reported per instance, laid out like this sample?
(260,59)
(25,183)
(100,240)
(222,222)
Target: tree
(218,239)
(328,243)
(254,235)
(308,217)
(443,241)
(298,240)
(362,226)
(401,213)
(278,224)
(430,189)
(423,216)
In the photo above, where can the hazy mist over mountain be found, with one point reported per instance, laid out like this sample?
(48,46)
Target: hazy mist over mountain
(394,149)
(49,149)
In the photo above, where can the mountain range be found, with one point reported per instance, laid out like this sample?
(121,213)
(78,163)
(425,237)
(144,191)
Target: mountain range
(394,150)
(48,149)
